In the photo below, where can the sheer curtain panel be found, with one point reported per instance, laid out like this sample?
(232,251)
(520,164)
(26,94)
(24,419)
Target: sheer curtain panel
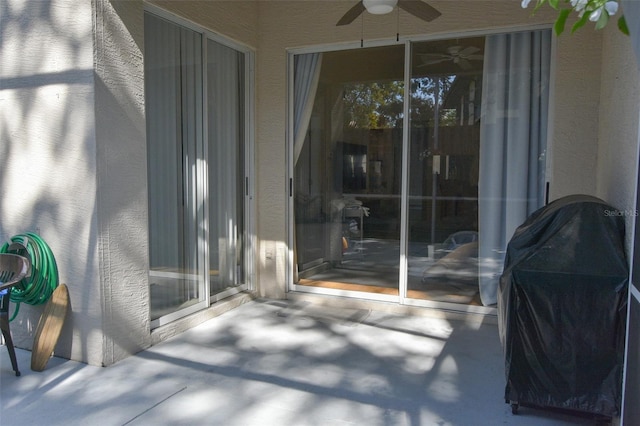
(512,144)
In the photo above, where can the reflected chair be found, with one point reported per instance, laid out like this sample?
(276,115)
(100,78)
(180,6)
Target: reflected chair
(13,268)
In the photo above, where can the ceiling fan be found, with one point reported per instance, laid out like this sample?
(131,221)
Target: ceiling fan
(417,8)
(459,55)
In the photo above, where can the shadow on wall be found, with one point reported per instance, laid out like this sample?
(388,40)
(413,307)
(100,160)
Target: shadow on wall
(73,167)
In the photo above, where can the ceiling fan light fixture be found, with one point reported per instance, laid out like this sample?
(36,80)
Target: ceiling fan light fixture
(379,7)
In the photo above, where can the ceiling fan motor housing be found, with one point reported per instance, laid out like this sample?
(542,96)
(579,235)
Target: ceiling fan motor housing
(379,7)
(417,8)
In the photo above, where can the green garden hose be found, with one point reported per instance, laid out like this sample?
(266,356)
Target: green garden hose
(36,288)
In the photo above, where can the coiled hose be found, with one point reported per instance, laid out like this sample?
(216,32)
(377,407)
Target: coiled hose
(37,287)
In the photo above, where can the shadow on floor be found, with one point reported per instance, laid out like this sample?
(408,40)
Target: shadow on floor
(283,363)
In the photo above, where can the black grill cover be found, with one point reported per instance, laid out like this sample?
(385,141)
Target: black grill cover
(562,308)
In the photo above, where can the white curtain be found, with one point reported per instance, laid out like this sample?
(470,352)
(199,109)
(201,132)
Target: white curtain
(305,85)
(512,144)
(174,119)
(174,107)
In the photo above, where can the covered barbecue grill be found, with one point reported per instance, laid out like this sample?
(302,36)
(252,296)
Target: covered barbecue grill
(562,308)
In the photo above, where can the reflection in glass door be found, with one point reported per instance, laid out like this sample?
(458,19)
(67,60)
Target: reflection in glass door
(446,80)
(348,169)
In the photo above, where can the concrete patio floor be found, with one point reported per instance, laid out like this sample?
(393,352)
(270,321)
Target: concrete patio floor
(283,363)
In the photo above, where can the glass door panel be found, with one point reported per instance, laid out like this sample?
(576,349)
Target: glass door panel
(173,76)
(348,169)
(446,80)
(225,95)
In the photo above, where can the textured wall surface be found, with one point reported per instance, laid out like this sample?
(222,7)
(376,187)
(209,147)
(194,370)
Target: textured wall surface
(618,126)
(574,117)
(48,156)
(121,176)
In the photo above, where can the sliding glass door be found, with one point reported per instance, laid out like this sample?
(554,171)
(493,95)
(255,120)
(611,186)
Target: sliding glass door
(348,169)
(196,106)
(407,185)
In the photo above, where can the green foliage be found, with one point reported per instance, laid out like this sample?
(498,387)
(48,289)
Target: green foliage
(597,11)
(579,24)
(622,25)
(560,23)
(380,104)
(374,105)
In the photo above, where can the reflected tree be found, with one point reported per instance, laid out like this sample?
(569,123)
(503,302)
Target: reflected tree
(379,104)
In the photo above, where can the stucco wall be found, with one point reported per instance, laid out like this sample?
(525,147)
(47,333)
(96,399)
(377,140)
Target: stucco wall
(48,156)
(121,174)
(574,113)
(618,125)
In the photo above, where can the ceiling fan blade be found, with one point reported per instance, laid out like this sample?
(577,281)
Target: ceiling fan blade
(351,14)
(419,9)
(468,51)
(475,57)
(427,56)
(433,62)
